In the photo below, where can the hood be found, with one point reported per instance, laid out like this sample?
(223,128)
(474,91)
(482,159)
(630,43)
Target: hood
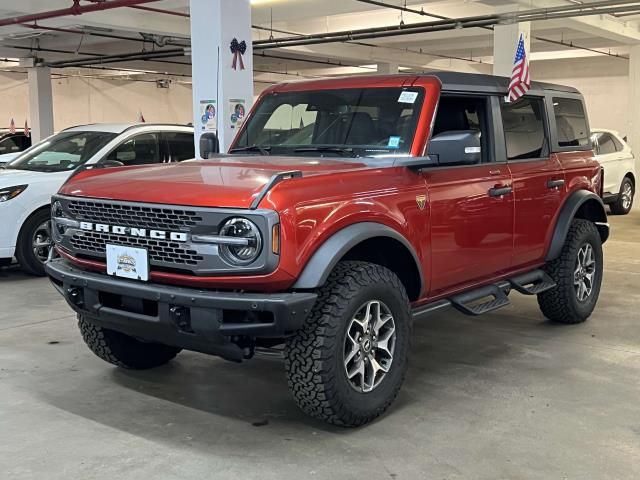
(228,182)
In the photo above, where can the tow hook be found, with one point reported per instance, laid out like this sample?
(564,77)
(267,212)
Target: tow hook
(75,296)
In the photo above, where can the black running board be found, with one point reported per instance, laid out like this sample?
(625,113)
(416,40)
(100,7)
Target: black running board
(532,283)
(481,300)
(490,297)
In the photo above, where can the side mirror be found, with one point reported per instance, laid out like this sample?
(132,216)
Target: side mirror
(209,145)
(456,147)
(111,163)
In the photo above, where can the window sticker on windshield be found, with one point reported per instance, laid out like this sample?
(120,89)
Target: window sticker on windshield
(394,142)
(408,97)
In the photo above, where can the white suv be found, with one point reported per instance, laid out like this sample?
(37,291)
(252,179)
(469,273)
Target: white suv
(618,163)
(28,182)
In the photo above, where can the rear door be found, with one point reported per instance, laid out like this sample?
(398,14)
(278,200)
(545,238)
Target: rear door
(179,146)
(472,205)
(538,181)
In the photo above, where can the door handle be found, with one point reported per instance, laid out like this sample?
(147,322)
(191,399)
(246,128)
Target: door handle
(500,191)
(494,172)
(555,183)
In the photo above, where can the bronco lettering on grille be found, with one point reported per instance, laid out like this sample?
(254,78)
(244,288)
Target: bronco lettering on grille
(134,232)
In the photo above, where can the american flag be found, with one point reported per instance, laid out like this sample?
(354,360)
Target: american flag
(520,80)
(12,126)
(27,132)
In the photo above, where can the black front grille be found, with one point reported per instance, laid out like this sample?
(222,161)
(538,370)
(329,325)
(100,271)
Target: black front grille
(160,251)
(138,216)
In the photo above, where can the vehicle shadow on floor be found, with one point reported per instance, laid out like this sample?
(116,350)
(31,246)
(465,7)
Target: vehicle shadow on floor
(255,393)
(13,273)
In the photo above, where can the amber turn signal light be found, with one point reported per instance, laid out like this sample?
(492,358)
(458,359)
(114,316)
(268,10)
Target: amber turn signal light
(275,239)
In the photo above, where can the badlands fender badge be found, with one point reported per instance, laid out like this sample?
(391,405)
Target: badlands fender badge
(421,200)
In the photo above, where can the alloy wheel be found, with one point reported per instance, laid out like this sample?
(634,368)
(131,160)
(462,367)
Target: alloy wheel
(584,272)
(627,196)
(369,346)
(41,241)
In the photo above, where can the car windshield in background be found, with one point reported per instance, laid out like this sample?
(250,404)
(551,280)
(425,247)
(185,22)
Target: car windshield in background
(357,122)
(63,152)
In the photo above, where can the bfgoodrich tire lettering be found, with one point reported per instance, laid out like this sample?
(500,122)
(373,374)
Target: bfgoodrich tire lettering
(122,350)
(562,304)
(315,356)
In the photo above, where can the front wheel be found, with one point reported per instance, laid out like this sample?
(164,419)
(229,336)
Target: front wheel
(623,205)
(348,362)
(122,350)
(578,275)
(34,243)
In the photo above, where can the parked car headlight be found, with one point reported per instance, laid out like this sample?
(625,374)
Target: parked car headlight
(249,244)
(8,193)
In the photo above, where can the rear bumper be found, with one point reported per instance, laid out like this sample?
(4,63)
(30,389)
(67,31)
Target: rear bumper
(192,319)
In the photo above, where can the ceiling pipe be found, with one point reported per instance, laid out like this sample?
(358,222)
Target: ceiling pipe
(403,9)
(75,9)
(595,8)
(122,57)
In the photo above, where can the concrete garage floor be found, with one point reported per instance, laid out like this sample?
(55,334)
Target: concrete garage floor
(505,396)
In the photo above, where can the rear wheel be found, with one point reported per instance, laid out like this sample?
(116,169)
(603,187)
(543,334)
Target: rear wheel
(623,205)
(347,364)
(34,243)
(578,276)
(122,350)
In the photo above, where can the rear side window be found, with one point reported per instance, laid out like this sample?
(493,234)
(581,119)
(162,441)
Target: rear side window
(524,131)
(571,122)
(604,143)
(180,145)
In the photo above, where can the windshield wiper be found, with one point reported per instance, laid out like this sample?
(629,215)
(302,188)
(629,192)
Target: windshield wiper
(263,150)
(344,151)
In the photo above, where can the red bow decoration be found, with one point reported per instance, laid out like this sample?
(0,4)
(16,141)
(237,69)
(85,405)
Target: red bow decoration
(238,49)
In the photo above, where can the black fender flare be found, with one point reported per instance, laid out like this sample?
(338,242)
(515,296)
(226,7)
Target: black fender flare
(597,214)
(325,258)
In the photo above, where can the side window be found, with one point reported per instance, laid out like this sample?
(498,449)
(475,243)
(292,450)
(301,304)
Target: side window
(139,150)
(524,131)
(180,145)
(10,145)
(618,144)
(26,142)
(571,122)
(606,144)
(468,114)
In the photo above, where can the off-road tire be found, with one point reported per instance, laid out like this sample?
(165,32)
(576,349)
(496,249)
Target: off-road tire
(122,350)
(561,303)
(314,356)
(618,208)
(27,259)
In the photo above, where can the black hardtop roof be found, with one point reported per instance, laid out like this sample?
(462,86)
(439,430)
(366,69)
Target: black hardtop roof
(477,82)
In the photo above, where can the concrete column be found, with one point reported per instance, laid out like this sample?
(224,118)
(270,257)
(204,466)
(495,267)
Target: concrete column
(40,103)
(633,134)
(387,68)
(222,67)
(505,43)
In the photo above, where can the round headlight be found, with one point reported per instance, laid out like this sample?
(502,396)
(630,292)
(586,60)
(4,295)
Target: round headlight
(249,245)
(56,210)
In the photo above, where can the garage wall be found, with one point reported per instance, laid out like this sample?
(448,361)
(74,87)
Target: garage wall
(603,81)
(87,100)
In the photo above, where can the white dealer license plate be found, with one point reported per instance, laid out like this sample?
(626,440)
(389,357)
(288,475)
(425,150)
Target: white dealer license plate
(128,262)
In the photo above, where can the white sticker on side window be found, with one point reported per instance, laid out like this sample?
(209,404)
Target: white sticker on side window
(408,97)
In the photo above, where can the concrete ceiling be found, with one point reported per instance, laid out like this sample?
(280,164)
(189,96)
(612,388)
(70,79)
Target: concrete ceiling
(466,49)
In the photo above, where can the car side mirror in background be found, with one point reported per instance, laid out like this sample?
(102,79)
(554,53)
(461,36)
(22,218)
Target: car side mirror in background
(209,145)
(461,147)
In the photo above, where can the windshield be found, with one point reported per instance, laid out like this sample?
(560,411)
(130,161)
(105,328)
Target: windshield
(63,152)
(350,122)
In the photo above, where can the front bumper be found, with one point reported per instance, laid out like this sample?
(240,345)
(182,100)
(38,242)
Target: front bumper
(192,319)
